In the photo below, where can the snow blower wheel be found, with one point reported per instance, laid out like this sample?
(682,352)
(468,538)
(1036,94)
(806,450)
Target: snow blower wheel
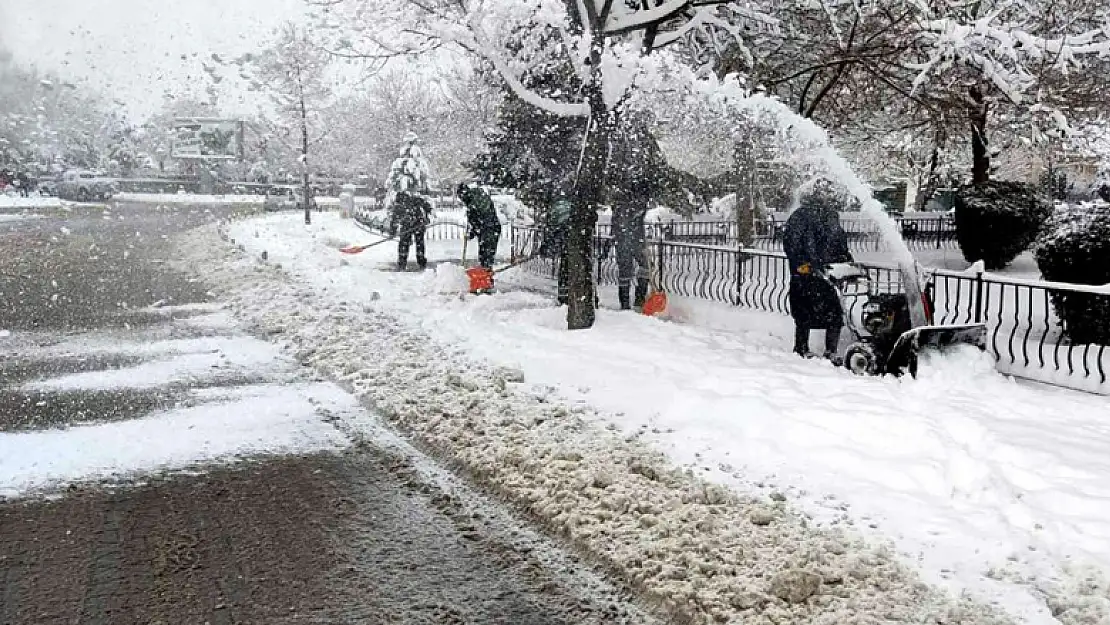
(861,359)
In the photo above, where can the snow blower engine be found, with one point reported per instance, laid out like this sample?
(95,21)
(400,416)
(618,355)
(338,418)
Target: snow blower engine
(885,338)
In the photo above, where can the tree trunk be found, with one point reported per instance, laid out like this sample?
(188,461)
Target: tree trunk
(980,151)
(304,165)
(589,187)
(932,181)
(745,210)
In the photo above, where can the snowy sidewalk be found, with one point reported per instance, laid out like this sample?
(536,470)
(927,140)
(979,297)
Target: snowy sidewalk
(10,203)
(990,486)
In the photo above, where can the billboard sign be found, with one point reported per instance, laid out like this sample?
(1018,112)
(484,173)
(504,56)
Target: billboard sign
(207,138)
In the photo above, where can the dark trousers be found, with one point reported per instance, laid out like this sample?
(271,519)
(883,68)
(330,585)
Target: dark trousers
(832,339)
(407,238)
(488,238)
(631,267)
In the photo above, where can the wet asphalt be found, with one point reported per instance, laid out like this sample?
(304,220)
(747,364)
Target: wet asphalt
(351,537)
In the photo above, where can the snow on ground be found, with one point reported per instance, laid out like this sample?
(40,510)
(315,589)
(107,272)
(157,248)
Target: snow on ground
(986,485)
(277,411)
(188,198)
(10,217)
(198,198)
(952,259)
(702,552)
(33,201)
(247,421)
(182,362)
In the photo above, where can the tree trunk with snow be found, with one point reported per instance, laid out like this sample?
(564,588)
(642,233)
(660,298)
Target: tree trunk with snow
(980,151)
(588,191)
(304,164)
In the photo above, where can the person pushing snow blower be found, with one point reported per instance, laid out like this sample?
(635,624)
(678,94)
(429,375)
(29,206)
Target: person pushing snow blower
(813,240)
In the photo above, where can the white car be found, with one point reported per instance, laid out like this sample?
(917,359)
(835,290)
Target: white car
(85,186)
(286,198)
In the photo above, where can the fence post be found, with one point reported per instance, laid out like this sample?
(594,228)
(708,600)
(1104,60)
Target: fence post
(739,275)
(979,297)
(598,246)
(659,262)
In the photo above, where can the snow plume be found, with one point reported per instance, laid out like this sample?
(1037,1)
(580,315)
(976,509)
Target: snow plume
(805,146)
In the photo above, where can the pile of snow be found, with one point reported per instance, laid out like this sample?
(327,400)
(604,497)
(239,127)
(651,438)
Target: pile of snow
(189,198)
(449,217)
(512,210)
(10,217)
(200,198)
(451,278)
(33,201)
(704,551)
(662,213)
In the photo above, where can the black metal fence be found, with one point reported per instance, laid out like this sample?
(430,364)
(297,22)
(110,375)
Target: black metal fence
(1025,332)
(924,232)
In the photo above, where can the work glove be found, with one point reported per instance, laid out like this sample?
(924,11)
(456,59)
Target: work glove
(804,269)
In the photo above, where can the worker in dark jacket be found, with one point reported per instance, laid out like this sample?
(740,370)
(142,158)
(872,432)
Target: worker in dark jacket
(482,222)
(408,220)
(556,229)
(813,240)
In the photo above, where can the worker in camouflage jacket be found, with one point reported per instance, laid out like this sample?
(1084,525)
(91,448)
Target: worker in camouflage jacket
(482,222)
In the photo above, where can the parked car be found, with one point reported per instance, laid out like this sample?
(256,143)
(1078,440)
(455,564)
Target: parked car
(286,198)
(48,185)
(85,186)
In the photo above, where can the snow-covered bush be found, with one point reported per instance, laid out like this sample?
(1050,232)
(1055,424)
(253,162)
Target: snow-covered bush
(1075,247)
(997,220)
(1100,188)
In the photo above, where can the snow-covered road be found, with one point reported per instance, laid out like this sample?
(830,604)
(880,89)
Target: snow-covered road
(987,485)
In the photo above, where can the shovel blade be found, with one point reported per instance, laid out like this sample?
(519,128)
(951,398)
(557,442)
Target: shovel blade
(655,304)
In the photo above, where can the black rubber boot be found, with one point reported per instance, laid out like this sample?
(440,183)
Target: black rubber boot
(623,297)
(801,342)
(832,345)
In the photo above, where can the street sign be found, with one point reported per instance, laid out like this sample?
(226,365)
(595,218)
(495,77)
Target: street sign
(206,138)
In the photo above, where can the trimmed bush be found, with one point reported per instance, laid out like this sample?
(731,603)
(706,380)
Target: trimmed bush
(997,220)
(1075,248)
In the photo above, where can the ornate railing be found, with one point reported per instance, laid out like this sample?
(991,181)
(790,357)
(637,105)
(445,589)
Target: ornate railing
(1025,333)
(919,232)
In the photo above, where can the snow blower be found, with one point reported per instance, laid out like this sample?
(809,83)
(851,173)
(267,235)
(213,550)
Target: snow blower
(894,328)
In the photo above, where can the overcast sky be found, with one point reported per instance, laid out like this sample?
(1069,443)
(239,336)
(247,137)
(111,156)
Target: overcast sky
(132,49)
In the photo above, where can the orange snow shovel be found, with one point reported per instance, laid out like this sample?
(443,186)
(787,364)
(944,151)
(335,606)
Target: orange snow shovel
(357,249)
(480,278)
(656,302)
